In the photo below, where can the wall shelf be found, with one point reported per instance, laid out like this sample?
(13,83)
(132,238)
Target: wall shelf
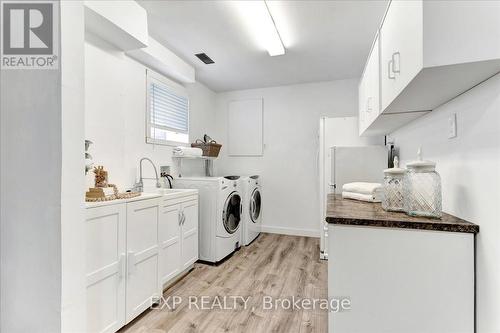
(209,165)
(195,157)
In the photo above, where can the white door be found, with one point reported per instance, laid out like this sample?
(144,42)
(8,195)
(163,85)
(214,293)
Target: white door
(341,131)
(142,254)
(105,267)
(401,38)
(372,85)
(189,227)
(169,238)
(362,93)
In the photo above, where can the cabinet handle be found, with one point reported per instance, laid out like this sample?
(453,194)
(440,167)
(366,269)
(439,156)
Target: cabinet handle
(131,262)
(389,67)
(183,217)
(368,105)
(121,266)
(396,62)
(180,217)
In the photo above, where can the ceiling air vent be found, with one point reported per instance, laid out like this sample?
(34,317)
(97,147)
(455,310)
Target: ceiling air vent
(206,59)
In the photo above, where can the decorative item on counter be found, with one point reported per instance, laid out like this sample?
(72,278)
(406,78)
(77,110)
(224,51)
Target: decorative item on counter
(422,188)
(88,158)
(393,193)
(101,176)
(209,146)
(110,192)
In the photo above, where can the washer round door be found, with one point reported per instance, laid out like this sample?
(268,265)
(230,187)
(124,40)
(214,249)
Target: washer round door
(231,215)
(255,205)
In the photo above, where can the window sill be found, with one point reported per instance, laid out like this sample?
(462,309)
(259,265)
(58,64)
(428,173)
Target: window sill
(167,143)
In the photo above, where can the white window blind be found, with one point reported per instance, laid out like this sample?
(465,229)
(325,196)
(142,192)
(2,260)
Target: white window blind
(168,113)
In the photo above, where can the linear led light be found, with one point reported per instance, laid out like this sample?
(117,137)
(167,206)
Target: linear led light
(261,22)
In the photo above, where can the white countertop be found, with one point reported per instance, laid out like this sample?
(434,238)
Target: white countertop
(164,193)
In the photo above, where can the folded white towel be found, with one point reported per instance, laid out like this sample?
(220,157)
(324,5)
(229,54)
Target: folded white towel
(187,151)
(362,187)
(362,197)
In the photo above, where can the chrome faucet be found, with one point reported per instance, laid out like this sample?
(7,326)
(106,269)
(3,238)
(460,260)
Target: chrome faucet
(139,186)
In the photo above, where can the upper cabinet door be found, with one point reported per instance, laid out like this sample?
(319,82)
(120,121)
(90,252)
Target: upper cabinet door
(401,38)
(362,104)
(369,89)
(373,84)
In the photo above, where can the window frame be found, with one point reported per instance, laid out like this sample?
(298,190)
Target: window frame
(178,89)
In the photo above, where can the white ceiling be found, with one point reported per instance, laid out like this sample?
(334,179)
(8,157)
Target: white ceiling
(324,40)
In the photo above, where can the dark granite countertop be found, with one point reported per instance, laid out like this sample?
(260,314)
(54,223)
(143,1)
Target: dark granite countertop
(352,212)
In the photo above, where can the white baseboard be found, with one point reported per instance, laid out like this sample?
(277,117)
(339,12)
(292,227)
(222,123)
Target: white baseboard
(290,231)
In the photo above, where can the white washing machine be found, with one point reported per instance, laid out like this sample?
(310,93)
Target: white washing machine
(252,208)
(219,215)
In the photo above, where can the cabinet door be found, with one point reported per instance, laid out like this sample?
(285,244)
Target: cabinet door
(189,233)
(142,255)
(372,85)
(401,38)
(105,267)
(169,237)
(362,103)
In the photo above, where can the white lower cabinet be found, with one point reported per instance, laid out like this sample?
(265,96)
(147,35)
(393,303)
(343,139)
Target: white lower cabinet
(170,242)
(189,234)
(133,249)
(142,256)
(178,237)
(106,269)
(400,280)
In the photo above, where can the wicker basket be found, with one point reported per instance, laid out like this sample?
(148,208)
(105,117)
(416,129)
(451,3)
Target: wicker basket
(210,149)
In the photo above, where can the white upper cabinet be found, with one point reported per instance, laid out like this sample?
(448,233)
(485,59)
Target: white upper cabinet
(430,52)
(401,47)
(369,89)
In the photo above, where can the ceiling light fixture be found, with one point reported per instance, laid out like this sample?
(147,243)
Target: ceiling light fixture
(261,22)
(274,44)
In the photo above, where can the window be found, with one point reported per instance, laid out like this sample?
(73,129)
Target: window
(167,116)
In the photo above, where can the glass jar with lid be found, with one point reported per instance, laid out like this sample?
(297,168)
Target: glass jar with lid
(393,193)
(422,189)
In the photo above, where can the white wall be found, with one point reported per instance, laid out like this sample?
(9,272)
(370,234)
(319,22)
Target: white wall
(289,166)
(30,200)
(470,170)
(115,114)
(73,272)
(41,200)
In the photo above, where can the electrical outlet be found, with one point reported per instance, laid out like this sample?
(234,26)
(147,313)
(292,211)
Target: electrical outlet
(452,126)
(165,169)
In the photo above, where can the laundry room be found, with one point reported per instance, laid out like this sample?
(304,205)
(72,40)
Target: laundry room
(250,166)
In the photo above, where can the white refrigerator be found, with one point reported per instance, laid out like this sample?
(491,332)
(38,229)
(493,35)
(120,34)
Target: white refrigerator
(345,157)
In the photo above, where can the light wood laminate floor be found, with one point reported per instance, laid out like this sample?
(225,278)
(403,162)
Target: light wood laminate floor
(273,265)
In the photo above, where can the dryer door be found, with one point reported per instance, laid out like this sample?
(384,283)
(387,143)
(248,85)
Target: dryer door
(231,215)
(255,205)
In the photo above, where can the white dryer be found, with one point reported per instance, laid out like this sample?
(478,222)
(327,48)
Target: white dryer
(252,208)
(219,215)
